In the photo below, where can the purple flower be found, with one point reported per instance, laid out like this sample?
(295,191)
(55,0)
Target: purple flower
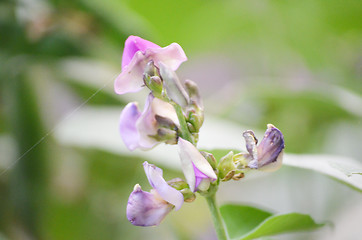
(136,54)
(268,155)
(196,168)
(137,128)
(150,208)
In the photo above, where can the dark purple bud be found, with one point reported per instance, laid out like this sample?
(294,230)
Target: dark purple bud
(268,154)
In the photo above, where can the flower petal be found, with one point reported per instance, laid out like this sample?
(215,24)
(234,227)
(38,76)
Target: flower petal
(147,123)
(146,209)
(199,176)
(251,143)
(190,158)
(127,126)
(132,45)
(269,151)
(172,55)
(131,77)
(173,86)
(137,53)
(168,193)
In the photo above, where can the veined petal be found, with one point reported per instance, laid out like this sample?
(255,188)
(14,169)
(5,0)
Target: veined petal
(127,126)
(146,209)
(134,44)
(147,125)
(190,158)
(168,193)
(137,53)
(187,168)
(251,143)
(269,151)
(131,77)
(172,55)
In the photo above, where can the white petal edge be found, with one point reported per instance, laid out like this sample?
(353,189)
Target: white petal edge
(131,77)
(168,193)
(189,154)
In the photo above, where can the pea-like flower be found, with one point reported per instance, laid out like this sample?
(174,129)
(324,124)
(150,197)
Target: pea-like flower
(136,54)
(150,208)
(157,123)
(268,155)
(197,170)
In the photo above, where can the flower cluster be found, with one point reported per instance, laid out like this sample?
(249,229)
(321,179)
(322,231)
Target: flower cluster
(173,114)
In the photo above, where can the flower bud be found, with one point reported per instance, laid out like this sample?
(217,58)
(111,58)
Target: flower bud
(193,91)
(152,79)
(197,170)
(183,187)
(173,86)
(268,155)
(195,109)
(195,117)
(189,196)
(210,158)
(227,167)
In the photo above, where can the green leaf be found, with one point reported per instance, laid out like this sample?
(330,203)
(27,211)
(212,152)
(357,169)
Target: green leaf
(340,168)
(97,127)
(246,222)
(349,170)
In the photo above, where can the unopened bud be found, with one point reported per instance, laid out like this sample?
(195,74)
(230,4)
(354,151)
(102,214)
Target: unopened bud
(152,80)
(151,69)
(177,183)
(193,91)
(183,187)
(268,155)
(210,158)
(189,196)
(195,137)
(196,118)
(174,89)
(227,167)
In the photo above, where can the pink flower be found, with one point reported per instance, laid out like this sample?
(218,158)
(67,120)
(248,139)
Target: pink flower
(150,208)
(196,168)
(137,53)
(137,128)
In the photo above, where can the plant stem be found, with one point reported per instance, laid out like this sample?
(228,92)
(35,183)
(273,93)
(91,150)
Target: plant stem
(216,218)
(184,133)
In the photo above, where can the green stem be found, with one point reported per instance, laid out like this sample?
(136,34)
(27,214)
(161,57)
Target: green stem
(184,130)
(216,218)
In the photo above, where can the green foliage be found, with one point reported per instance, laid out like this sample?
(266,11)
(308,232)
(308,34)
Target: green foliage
(245,222)
(338,168)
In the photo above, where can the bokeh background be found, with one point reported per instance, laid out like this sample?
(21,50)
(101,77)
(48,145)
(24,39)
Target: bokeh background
(296,64)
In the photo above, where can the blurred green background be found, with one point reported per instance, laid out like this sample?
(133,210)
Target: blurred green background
(296,64)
